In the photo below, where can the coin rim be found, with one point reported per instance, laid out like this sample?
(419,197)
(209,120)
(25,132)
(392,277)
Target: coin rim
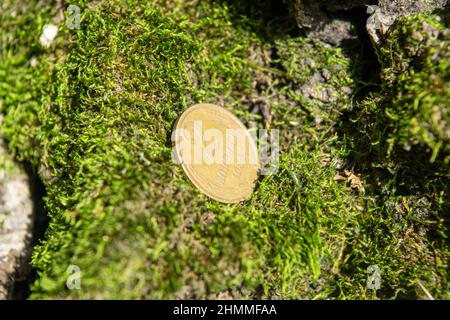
(188,170)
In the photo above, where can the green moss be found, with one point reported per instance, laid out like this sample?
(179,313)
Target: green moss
(398,137)
(96,114)
(21,85)
(318,78)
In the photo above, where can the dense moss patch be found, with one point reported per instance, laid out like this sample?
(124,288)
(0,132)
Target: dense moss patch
(95,115)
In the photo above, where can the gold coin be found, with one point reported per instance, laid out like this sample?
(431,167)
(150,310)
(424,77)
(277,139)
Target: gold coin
(217,152)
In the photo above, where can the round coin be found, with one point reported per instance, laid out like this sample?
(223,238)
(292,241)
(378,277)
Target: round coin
(217,152)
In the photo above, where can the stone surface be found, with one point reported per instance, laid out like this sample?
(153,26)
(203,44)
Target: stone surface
(314,14)
(323,19)
(16,223)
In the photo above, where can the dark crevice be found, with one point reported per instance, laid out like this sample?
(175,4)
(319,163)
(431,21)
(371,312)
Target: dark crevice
(22,285)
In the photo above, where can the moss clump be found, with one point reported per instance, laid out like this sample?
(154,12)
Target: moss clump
(21,81)
(408,120)
(125,214)
(97,124)
(420,73)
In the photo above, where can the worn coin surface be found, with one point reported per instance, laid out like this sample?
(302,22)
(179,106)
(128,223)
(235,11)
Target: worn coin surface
(217,152)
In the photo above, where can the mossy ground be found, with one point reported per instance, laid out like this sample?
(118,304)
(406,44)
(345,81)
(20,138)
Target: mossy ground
(95,116)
